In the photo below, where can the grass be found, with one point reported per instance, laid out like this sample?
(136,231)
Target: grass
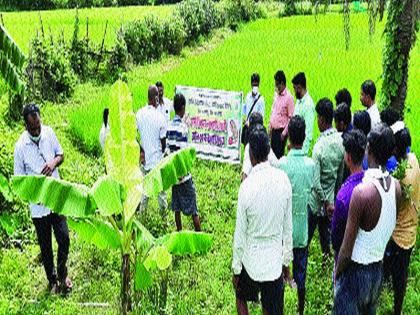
(24,25)
(202,284)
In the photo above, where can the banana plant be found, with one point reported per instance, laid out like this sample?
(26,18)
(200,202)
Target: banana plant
(104,214)
(11,63)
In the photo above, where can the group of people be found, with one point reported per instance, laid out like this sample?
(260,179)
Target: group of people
(346,189)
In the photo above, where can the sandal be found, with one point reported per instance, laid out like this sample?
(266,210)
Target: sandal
(66,286)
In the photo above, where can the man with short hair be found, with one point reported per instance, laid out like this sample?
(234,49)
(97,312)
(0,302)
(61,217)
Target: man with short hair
(262,245)
(254,120)
(371,221)
(342,119)
(355,146)
(152,127)
(328,155)
(38,152)
(305,108)
(361,121)
(367,98)
(164,106)
(183,194)
(300,170)
(281,113)
(254,101)
(343,96)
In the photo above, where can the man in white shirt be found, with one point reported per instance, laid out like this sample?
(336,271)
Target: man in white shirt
(38,152)
(367,98)
(254,97)
(263,244)
(165,105)
(152,127)
(255,119)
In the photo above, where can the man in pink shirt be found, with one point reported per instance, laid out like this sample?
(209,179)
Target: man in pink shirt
(281,113)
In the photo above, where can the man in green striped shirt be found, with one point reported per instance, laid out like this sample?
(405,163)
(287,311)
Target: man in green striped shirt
(300,170)
(328,155)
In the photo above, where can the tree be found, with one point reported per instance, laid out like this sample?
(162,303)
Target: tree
(11,63)
(105,214)
(400,37)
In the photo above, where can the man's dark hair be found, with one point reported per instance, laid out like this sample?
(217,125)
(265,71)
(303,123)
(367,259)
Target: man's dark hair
(343,96)
(368,87)
(381,143)
(255,77)
(361,121)
(300,79)
(325,109)
(355,144)
(30,110)
(343,114)
(403,142)
(390,116)
(259,144)
(179,102)
(159,84)
(255,119)
(280,77)
(297,130)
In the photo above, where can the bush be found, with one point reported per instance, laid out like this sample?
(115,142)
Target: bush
(240,11)
(174,35)
(118,61)
(198,16)
(49,73)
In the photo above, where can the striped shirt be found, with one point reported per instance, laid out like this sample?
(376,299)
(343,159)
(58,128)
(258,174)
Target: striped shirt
(177,138)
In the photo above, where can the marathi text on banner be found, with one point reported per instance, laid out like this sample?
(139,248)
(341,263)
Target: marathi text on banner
(214,122)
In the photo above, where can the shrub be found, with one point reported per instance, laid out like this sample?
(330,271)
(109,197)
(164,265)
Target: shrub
(144,39)
(49,73)
(198,16)
(118,61)
(174,36)
(239,11)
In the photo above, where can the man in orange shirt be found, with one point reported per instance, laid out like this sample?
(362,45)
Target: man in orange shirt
(281,113)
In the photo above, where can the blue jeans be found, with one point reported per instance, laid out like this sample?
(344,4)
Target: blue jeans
(300,263)
(357,289)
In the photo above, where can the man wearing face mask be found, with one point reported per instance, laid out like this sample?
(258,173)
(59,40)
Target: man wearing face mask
(152,127)
(254,101)
(305,108)
(38,152)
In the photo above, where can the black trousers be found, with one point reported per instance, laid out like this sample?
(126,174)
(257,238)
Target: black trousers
(277,145)
(43,227)
(323,224)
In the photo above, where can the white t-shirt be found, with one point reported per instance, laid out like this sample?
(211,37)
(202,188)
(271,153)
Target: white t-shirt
(375,117)
(166,108)
(30,158)
(152,127)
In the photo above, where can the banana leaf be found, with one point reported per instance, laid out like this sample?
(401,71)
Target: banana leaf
(168,172)
(142,277)
(108,195)
(99,233)
(186,242)
(158,258)
(59,196)
(10,74)
(5,189)
(10,49)
(144,239)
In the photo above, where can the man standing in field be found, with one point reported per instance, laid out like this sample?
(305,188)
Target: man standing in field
(262,246)
(38,152)
(152,127)
(370,223)
(355,146)
(328,155)
(281,113)
(164,104)
(305,108)
(183,194)
(367,98)
(254,101)
(300,170)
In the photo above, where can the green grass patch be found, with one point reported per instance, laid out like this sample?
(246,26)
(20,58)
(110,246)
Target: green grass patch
(24,25)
